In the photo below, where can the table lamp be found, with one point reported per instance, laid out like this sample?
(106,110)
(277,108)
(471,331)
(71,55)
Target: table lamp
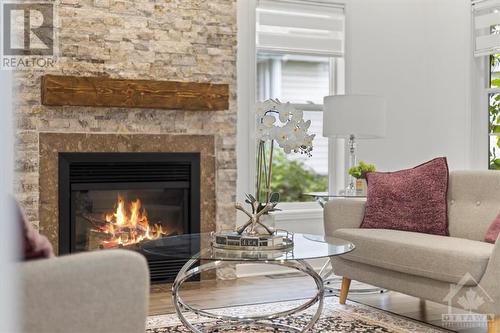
(354,117)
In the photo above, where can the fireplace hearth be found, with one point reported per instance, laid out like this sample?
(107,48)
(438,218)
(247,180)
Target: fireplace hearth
(121,200)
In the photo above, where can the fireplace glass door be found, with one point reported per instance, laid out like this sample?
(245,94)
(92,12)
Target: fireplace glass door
(125,218)
(123,200)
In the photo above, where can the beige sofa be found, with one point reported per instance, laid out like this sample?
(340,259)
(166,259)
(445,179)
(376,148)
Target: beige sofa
(103,291)
(436,268)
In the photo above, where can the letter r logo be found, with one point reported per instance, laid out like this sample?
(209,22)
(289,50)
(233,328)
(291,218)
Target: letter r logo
(28,29)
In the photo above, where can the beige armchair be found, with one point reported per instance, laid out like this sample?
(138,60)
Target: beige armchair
(437,268)
(102,291)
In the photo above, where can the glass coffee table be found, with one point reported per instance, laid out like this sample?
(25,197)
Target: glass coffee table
(202,257)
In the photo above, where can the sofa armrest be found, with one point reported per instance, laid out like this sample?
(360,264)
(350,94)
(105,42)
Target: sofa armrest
(343,213)
(102,291)
(489,281)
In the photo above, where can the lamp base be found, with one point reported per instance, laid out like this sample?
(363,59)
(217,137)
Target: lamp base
(351,188)
(350,192)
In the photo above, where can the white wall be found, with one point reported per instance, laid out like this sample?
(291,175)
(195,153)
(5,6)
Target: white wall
(246,78)
(479,117)
(417,54)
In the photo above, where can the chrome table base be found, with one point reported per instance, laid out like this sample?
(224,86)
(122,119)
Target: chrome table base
(191,269)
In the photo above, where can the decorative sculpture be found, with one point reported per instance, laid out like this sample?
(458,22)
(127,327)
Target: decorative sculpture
(254,221)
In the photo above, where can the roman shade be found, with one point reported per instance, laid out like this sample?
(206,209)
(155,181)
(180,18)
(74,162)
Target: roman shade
(486,26)
(313,27)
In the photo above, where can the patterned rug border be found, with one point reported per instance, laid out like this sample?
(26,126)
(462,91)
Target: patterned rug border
(352,310)
(391,313)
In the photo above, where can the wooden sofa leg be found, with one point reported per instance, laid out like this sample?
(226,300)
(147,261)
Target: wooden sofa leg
(344,290)
(493,324)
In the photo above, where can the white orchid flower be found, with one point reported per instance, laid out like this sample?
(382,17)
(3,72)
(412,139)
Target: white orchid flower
(287,149)
(282,136)
(263,107)
(270,104)
(268,120)
(291,132)
(305,124)
(300,134)
(285,111)
(290,127)
(297,115)
(259,110)
(309,140)
(264,133)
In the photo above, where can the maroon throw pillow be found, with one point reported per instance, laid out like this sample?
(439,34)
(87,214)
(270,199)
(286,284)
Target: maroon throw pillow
(409,200)
(493,230)
(34,245)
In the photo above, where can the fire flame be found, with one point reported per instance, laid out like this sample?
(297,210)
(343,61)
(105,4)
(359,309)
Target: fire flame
(129,224)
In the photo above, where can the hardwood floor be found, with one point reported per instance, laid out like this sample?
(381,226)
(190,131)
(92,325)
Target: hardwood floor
(263,289)
(217,293)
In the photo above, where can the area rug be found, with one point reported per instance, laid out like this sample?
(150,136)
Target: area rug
(336,318)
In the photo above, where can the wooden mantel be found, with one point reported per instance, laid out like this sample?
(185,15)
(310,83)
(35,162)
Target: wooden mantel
(106,92)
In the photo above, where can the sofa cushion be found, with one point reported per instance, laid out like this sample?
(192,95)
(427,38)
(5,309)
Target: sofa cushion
(441,258)
(410,200)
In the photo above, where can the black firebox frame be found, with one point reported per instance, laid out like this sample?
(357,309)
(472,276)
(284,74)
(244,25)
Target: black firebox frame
(121,160)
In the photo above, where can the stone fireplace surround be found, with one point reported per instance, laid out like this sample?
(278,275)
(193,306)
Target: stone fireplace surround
(53,143)
(187,41)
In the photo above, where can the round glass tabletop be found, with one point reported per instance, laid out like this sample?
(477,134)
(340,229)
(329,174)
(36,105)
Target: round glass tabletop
(191,246)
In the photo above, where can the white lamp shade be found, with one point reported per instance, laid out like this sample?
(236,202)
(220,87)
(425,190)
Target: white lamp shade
(363,116)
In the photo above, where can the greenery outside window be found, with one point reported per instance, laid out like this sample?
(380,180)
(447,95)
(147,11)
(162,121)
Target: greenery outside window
(494,112)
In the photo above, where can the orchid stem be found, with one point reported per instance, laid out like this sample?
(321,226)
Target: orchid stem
(270,172)
(259,171)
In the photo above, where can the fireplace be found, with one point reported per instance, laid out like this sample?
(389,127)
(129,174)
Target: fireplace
(121,200)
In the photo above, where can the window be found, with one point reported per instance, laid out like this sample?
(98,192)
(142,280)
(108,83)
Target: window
(494,113)
(486,31)
(300,60)
(293,78)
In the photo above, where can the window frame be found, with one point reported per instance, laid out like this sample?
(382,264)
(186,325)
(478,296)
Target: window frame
(247,92)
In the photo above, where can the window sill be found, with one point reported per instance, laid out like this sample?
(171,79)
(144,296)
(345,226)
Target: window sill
(306,217)
(298,214)
(293,206)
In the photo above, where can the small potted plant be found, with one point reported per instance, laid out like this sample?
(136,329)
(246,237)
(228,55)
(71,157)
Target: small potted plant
(359,172)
